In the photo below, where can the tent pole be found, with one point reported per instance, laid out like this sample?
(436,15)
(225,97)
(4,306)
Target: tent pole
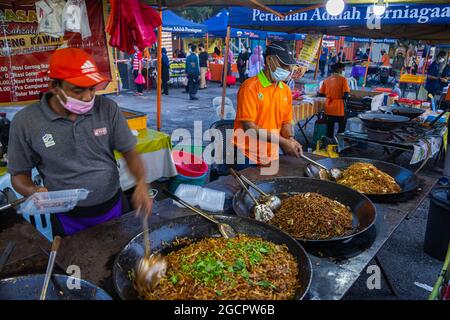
(368,62)
(207,42)
(319,53)
(425,63)
(117,71)
(159,81)
(224,73)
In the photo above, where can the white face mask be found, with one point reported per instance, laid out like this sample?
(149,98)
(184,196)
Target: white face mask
(280,74)
(441,60)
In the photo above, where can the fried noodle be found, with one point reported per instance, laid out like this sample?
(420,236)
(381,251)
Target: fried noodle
(239,268)
(313,216)
(366,178)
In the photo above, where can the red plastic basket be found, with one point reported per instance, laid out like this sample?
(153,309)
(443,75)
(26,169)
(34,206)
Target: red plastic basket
(189,165)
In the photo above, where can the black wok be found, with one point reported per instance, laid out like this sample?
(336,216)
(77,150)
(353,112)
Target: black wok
(411,113)
(363,210)
(382,121)
(406,179)
(196,227)
(29,288)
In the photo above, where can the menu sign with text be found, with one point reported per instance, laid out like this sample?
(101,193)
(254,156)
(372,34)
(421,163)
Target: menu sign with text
(25,54)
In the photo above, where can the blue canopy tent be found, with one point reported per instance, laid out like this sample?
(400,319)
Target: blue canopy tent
(367,40)
(285,36)
(400,21)
(176,24)
(217,27)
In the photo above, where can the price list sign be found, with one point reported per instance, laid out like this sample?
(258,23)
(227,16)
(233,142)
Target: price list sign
(25,53)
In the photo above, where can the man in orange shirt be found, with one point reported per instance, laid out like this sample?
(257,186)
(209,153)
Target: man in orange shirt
(335,88)
(264,110)
(385,59)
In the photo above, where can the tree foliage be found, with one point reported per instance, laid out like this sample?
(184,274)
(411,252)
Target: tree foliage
(197,14)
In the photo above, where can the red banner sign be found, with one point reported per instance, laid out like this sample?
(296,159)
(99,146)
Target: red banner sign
(24,54)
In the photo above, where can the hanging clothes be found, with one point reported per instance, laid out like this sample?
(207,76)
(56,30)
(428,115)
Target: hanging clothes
(50,13)
(75,18)
(131,23)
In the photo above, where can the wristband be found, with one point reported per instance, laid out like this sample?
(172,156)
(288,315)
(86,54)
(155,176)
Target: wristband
(152,193)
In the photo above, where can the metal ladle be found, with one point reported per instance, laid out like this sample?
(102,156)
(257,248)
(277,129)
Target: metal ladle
(261,211)
(225,229)
(334,173)
(272,201)
(152,267)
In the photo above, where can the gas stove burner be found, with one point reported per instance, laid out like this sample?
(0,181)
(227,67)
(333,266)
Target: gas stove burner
(342,251)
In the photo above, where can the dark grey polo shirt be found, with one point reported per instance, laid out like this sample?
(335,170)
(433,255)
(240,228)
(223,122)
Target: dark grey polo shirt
(71,154)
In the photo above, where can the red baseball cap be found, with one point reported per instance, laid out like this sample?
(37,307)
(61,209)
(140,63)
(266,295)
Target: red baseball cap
(76,67)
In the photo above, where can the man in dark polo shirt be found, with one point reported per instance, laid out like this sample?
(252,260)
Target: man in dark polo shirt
(70,136)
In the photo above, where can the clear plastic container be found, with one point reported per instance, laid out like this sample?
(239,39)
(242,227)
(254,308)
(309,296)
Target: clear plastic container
(188,193)
(211,200)
(53,201)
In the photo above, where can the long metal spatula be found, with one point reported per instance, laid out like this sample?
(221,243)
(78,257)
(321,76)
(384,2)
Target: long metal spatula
(152,267)
(271,200)
(13,204)
(225,229)
(334,173)
(261,211)
(51,263)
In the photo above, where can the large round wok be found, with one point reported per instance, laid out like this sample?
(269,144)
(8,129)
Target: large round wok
(382,121)
(195,227)
(29,288)
(363,210)
(411,113)
(406,179)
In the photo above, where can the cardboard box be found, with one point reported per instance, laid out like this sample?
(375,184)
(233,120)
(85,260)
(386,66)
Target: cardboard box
(363,93)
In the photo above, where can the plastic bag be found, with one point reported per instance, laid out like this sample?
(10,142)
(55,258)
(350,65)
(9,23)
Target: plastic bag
(208,75)
(139,79)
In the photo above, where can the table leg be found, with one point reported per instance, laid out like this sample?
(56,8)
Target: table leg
(307,121)
(303,133)
(385,276)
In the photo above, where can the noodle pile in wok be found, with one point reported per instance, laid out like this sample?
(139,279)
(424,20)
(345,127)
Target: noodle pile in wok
(366,178)
(312,216)
(239,268)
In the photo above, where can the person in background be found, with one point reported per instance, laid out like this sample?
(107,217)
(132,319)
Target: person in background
(265,103)
(137,68)
(336,89)
(333,59)
(410,58)
(216,54)
(323,61)
(341,55)
(399,61)
(385,59)
(256,62)
(193,73)
(434,79)
(230,61)
(445,76)
(165,76)
(203,58)
(242,64)
(366,55)
(181,54)
(357,55)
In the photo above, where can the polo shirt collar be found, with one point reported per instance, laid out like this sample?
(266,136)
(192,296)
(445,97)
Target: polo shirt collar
(52,115)
(266,82)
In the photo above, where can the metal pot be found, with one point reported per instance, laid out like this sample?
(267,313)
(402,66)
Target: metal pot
(356,125)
